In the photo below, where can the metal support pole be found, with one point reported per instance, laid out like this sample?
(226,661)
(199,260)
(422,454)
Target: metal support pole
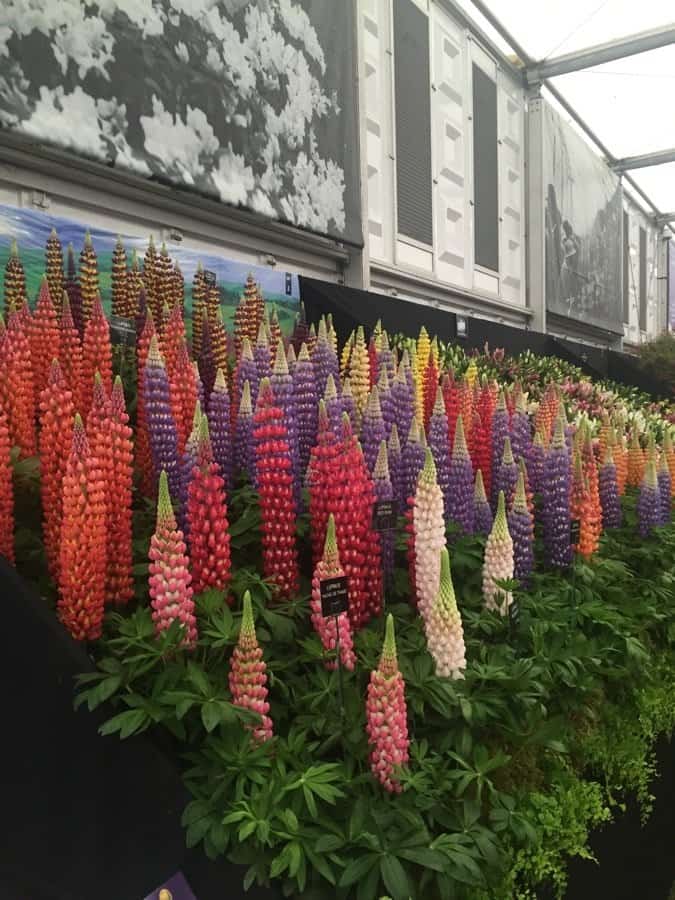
(645,160)
(536,225)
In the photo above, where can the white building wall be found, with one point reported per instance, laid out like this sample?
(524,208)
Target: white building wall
(633,334)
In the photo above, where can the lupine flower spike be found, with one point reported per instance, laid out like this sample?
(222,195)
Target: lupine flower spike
(460,486)
(498,563)
(445,635)
(649,501)
(327,629)
(248,676)
(384,491)
(556,492)
(169,584)
(386,715)
(482,510)
(6,492)
(609,493)
(521,528)
(429,532)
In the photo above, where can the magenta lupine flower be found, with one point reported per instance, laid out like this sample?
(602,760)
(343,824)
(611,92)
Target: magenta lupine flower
(521,528)
(324,359)
(444,631)
(207,360)
(649,501)
(169,583)
(506,475)
(535,461)
(248,676)
(261,354)
(609,493)
(498,562)
(413,459)
(404,402)
(395,467)
(188,462)
(284,398)
(385,491)
(460,487)
(372,429)
(246,371)
(244,456)
(306,406)
(438,443)
(219,427)
(386,716)
(521,437)
(386,401)
(482,510)
(664,482)
(556,493)
(327,629)
(500,431)
(429,533)
(161,424)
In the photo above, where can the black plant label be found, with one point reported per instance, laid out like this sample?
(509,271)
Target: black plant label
(334,596)
(385,513)
(575,531)
(122,331)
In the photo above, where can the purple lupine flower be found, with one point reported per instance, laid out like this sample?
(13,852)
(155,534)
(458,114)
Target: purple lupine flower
(324,360)
(246,371)
(395,459)
(207,360)
(333,402)
(72,286)
(261,354)
(348,402)
(406,365)
(520,429)
(291,358)
(384,491)
(460,485)
(403,397)
(385,358)
(535,460)
(372,429)
(440,450)
(413,459)
(284,398)
(244,455)
(306,406)
(161,424)
(664,483)
(500,432)
(187,464)
(219,427)
(386,401)
(482,522)
(521,528)
(609,493)
(556,492)
(649,501)
(506,476)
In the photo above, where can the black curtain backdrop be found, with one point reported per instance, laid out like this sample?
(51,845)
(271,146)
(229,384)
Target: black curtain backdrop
(351,307)
(85,817)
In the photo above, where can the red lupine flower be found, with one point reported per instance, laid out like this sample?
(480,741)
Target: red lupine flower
(6,492)
(56,436)
(450,392)
(120,584)
(465,408)
(184,394)
(173,335)
(169,583)
(17,385)
(96,354)
(274,479)
(248,676)
(70,353)
(207,519)
(82,561)
(328,628)
(44,337)
(143,452)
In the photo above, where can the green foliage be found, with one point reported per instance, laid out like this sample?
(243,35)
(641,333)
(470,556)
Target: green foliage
(657,357)
(509,768)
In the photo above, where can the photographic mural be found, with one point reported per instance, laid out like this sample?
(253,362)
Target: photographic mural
(671,284)
(31,230)
(248,101)
(583,229)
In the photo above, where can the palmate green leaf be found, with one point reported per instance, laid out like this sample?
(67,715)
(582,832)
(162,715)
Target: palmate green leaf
(127,723)
(358,868)
(394,877)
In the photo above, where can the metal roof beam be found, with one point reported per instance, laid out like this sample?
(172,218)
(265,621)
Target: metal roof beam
(602,53)
(644,160)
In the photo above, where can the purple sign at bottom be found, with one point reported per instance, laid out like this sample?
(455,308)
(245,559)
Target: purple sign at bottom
(176,888)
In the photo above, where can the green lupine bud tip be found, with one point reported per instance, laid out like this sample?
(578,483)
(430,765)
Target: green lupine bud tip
(500,527)
(247,621)
(330,547)
(507,458)
(388,660)
(164,507)
(381,470)
(479,488)
(428,474)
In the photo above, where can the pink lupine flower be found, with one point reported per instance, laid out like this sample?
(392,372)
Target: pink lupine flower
(445,635)
(386,715)
(327,629)
(429,532)
(248,675)
(498,563)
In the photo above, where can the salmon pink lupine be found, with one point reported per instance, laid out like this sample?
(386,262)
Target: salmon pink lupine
(443,627)
(96,353)
(82,560)
(460,486)
(17,385)
(6,492)
(183,392)
(521,528)
(306,406)
(609,492)
(70,353)
(429,531)
(556,494)
(169,583)
(44,337)
(248,676)
(172,336)
(219,427)
(649,501)
(386,715)
(274,478)
(327,629)
(209,536)
(481,507)
(498,563)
